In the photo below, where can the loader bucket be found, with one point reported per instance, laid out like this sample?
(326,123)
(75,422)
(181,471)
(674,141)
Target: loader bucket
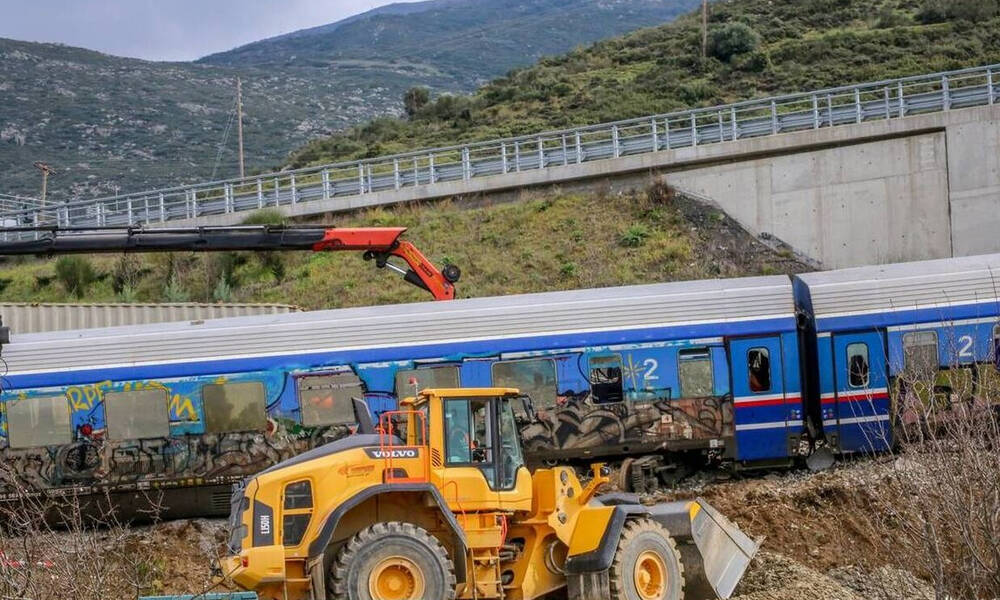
(714,551)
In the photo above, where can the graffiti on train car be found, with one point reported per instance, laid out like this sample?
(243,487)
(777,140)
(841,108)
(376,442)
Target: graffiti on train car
(90,458)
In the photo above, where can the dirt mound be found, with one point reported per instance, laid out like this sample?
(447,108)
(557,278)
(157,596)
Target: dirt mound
(188,549)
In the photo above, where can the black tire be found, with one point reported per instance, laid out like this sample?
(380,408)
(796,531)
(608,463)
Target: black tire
(387,546)
(647,542)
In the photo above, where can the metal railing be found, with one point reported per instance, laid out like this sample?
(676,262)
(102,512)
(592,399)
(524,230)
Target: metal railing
(833,107)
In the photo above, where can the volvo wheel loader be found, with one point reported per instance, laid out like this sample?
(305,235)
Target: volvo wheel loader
(435,503)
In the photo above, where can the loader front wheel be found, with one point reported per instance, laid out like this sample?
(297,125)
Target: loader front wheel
(392,561)
(647,565)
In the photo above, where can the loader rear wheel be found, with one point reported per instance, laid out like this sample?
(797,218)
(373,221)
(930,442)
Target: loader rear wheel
(392,561)
(647,565)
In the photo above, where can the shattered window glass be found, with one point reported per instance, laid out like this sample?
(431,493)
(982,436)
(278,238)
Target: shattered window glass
(234,407)
(36,422)
(137,414)
(694,370)
(329,399)
(410,381)
(536,378)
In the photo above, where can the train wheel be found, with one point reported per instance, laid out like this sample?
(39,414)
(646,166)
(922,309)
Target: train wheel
(392,561)
(647,565)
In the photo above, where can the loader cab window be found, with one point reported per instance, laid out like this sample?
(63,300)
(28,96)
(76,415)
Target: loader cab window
(482,433)
(606,379)
(469,436)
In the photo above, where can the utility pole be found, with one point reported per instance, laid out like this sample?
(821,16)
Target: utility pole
(239,123)
(704,28)
(46,171)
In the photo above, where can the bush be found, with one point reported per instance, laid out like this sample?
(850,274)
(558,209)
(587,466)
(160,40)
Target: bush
(889,18)
(76,274)
(415,99)
(939,11)
(634,236)
(757,61)
(265,216)
(731,39)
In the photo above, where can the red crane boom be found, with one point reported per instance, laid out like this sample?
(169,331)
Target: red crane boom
(378,244)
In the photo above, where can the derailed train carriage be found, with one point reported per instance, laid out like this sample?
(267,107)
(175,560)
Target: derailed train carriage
(750,372)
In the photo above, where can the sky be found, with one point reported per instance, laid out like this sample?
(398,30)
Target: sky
(167,29)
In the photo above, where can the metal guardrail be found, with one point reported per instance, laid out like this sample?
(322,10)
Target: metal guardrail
(832,107)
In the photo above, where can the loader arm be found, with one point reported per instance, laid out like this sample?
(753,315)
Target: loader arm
(377,243)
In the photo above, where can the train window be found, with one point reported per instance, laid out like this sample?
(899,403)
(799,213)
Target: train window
(694,371)
(234,407)
(858,367)
(137,414)
(36,422)
(759,363)
(920,352)
(606,379)
(328,399)
(410,381)
(536,378)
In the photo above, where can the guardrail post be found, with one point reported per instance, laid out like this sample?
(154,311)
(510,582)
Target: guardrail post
(395,174)
(371,185)
(565,150)
(655,134)
(128,204)
(503,157)
(541,154)
(694,129)
(902,101)
(227,191)
(829,109)
(666,131)
(815,100)
(430,160)
(614,141)
(722,131)
(361,178)
(466,167)
(989,85)
(260,193)
(774,117)
(733,124)
(145,202)
(163,209)
(945,93)
(517,156)
(857,105)
(325,175)
(416,171)
(888,110)
(277,193)
(579,147)
(194,203)
(291,182)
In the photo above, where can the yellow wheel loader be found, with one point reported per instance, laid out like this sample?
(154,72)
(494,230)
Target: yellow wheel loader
(435,503)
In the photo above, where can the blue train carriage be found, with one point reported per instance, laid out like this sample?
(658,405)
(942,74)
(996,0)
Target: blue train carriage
(161,414)
(895,341)
(708,369)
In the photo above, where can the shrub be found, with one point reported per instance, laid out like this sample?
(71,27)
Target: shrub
(265,216)
(174,291)
(76,274)
(731,39)
(889,18)
(415,99)
(223,292)
(634,236)
(756,61)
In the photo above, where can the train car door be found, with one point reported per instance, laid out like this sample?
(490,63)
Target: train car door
(862,392)
(760,414)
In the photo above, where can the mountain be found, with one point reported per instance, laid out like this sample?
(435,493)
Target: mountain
(757,48)
(109,124)
(470,40)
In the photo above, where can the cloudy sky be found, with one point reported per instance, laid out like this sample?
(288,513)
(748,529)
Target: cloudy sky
(167,29)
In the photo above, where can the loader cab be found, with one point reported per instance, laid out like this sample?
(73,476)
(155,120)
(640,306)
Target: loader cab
(476,456)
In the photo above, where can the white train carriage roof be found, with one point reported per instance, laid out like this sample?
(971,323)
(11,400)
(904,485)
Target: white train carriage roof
(905,286)
(633,307)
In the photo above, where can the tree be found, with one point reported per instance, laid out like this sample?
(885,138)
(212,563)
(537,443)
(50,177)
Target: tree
(415,99)
(76,274)
(731,39)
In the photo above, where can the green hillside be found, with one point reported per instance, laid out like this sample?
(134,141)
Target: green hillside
(544,242)
(757,48)
(109,124)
